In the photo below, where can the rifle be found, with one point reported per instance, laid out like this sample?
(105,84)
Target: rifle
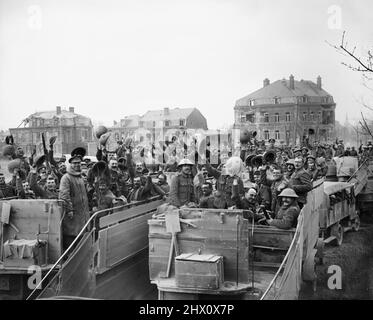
(45,153)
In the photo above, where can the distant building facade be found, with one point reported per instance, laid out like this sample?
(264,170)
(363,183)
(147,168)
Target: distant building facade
(288,111)
(72,130)
(159,123)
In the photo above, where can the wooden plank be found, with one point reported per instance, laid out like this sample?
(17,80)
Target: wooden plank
(27,215)
(129,213)
(126,239)
(102,249)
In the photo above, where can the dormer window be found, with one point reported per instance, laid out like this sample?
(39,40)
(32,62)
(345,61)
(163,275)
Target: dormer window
(251,103)
(167,123)
(304,99)
(182,122)
(276,100)
(304,116)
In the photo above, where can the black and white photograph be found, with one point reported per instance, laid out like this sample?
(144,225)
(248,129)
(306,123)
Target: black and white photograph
(186,151)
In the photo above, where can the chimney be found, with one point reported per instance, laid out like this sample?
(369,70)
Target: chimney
(166,111)
(291,82)
(58,110)
(319,82)
(265,82)
(71,109)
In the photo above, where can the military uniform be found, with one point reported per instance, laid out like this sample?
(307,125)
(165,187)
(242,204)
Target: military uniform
(286,218)
(300,181)
(181,190)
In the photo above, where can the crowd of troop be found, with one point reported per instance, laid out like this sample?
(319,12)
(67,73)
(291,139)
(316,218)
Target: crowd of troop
(269,182)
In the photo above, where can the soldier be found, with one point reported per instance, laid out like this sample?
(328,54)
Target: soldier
(140,192)
(162,183)
(287,215)
(207,198)
(74,196)
(182,187)
(353,152)
(6,190)
(290,168)
(314,171)
(263,190)
(300,182)
(224,179)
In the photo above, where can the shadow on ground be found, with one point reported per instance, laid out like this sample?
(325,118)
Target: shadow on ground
(355,257)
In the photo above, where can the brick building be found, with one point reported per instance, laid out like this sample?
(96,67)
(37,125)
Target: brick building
(288,111)
(72,130)
(158,123)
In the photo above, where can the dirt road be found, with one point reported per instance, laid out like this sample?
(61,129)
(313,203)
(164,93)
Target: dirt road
(355,257)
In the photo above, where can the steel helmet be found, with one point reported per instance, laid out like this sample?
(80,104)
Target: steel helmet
(289,193)
(184,162)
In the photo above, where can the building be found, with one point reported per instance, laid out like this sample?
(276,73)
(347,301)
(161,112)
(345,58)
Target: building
(288,111)
(72,130)
(159,122)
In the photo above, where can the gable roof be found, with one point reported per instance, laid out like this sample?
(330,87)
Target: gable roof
(281,88)
(173,114)
(53,114)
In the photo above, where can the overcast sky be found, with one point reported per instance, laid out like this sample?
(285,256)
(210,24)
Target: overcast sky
(112,58)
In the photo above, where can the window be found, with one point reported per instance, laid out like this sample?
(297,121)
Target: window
(277,117)
(167,123)
(266,135)
(251,103)
(304,99)
(287,135)
(153,123)
(304,116)
(266,117)
(250,118)
(288,117)
(277,135)
(243,118)
(319,116)
(182,122)
(276,100)
(312,116)
(141,124)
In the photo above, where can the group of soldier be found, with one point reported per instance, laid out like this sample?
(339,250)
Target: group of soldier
(279,178)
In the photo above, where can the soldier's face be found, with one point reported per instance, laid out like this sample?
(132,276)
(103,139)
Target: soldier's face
(43,174)
(290,167)
(76,165)
(137,182)
(62,167)
(186,169)
(206,190)
(311,163)
(139,167)
(51,184)
(26,186)
(161,179)
(286,202)
(113,164)
(20,152)
(277,174)
(2,179)
(257,178)
(298,163)
(102,187)
(250,196)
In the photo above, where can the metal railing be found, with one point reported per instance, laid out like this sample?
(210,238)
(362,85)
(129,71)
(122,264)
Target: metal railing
(78,238)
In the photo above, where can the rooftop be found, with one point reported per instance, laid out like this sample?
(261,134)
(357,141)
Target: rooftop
(283,88)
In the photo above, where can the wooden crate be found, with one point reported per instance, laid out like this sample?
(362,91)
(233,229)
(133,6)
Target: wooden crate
(199,271)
